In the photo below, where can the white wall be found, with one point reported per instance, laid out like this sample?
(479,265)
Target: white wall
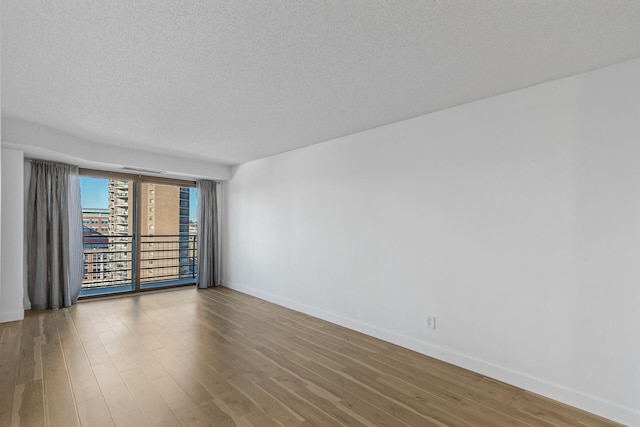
(12,226)
(42,142)
(26,300)
(0,224)
(515,220)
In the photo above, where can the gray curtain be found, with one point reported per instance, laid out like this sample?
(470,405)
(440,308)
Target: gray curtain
(208,265)
(54,236)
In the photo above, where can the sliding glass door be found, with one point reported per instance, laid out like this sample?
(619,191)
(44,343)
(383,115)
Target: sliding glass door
(139,233)
(108,237)
(167,235)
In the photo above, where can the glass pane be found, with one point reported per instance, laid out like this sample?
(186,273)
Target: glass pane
(167,247)
(107,222)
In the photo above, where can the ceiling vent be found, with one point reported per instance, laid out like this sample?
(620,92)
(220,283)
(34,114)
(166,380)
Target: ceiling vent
(138,170)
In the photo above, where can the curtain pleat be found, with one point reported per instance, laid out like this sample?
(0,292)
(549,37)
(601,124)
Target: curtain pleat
(208,266)
(54,236)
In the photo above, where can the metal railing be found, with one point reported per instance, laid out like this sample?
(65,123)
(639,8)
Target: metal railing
(107,261)
(110,260)
(168,257)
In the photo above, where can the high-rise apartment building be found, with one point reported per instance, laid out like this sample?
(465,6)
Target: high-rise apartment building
(120,231)
(164,228)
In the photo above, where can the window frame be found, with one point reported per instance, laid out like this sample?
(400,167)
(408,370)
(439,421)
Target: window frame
(138,180)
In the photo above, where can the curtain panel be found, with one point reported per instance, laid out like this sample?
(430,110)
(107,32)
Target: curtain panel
(54,236)
(208,265)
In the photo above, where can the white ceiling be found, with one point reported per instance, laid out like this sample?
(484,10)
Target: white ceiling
(233,81)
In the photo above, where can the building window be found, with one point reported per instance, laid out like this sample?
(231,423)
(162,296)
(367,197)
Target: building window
(150,218)
(151,227)
(150,200)
(151,209)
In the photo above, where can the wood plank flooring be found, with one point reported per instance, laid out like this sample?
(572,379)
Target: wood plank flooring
(218,357)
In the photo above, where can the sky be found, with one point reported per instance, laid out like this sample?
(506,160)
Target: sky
(94,193)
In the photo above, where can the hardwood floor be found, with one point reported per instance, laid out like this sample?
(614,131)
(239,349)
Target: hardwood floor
(219,357)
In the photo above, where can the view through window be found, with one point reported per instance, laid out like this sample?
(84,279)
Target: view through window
(137,234)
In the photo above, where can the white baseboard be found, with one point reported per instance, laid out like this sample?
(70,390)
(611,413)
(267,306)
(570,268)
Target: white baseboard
(11,316)
(575,398)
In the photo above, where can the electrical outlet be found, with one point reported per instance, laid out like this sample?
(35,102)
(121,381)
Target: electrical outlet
(431,322)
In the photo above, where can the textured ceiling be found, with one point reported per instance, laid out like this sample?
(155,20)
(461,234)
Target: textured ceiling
(235,81)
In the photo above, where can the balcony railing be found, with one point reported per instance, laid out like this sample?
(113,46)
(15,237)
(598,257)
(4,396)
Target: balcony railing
(110,261)
(107,261)
(168,257)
